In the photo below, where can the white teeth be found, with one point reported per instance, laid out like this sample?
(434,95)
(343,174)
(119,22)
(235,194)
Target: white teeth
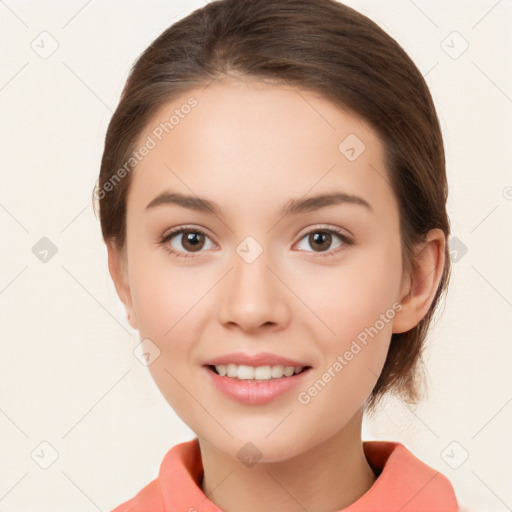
(221,369)
(262,372)
(277,371)
(289,370)
(245,372)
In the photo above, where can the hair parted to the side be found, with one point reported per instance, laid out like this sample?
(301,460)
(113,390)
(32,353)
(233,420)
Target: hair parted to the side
(318,45)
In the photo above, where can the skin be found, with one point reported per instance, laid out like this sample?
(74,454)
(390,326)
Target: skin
(250,147)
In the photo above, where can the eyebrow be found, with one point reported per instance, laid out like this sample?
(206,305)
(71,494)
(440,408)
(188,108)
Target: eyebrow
(292,207)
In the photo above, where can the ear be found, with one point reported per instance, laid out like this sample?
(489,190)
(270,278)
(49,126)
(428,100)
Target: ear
(118,269)
(419,287)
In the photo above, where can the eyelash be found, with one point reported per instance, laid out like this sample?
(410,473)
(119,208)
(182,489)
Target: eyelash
(347,241)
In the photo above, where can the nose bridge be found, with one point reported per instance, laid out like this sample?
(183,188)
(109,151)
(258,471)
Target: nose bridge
(253,295)
(251,279)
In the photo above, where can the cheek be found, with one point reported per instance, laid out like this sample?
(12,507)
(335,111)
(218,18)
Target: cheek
(164,296)
(357,303)
(353,357)
(167,302)
(369,304)
(353,297)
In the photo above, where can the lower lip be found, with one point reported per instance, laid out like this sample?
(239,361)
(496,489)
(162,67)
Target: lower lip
(255,392)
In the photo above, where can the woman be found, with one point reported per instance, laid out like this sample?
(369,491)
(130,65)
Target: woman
(248,135)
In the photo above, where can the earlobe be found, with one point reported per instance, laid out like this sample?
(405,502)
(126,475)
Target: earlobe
(118,271)
(421,285)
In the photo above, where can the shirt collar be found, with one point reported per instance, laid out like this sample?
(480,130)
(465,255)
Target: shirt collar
(405,483)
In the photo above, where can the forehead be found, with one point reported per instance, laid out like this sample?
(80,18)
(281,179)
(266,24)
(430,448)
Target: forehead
(243,140)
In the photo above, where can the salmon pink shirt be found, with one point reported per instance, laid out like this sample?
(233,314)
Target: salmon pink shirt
(404,484)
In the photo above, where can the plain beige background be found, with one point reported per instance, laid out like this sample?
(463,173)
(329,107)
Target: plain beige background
(83,426)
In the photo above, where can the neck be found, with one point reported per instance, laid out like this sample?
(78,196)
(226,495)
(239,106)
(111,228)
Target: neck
(326,478)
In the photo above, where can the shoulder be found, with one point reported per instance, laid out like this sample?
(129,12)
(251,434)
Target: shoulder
(405,482)
(177,477)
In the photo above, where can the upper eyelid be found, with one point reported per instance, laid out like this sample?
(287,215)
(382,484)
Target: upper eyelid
(326,227)
(179,230)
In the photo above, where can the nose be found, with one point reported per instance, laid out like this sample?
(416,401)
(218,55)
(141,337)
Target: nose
(253,296)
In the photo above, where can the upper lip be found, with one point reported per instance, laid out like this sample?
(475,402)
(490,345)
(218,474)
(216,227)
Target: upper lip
(261,359)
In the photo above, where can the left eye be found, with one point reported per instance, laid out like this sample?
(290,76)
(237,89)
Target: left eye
(322,239)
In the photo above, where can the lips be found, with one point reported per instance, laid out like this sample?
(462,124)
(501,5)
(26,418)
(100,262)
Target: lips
(253,391)
(260,359)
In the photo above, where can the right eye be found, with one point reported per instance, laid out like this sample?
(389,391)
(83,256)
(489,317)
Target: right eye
(191,239)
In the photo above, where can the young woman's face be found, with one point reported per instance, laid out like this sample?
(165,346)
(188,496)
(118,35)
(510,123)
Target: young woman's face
(319,285)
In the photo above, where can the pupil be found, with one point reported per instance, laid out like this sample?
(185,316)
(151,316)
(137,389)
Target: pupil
(193,239)
(321,237)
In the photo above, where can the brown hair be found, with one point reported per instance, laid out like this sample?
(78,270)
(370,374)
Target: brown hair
(318,45)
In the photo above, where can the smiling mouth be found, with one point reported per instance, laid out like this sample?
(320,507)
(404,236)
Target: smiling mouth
(258,373)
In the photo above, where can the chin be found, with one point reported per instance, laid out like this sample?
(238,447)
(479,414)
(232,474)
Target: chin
(256,445)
